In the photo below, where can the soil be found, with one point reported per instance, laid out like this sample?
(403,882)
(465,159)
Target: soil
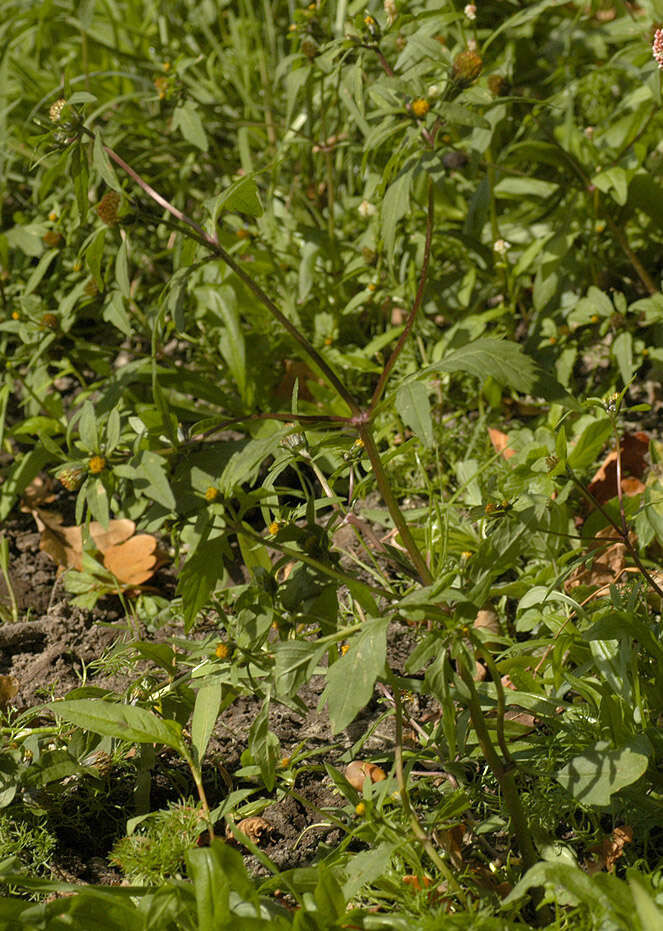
(52,651)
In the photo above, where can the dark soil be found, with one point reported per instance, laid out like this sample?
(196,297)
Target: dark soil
(53,650)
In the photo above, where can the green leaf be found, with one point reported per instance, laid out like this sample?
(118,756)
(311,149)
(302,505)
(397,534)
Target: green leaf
(622,350)
(19,475)
(413,407)
(590,443)
(187,119)
(80,176)
(211,887)
(223,303)
(264,747)
(239,197)
(123,721)
(594,776)
(200,575)
(151,467)
(205,713)
(504,361)
(366,867)
(350,680)
(94,254)
(395,205)
(102,163)
(295,662)
(122,269)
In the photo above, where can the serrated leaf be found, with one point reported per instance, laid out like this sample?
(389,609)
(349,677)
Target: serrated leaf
(125,722)
(504,361)
(350,680)
(187,119)
(413,407)
(102,163)
(199,577)
(150,467)
(264,747)
(395,204)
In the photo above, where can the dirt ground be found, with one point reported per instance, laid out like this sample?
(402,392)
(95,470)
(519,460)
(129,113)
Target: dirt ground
(50,652)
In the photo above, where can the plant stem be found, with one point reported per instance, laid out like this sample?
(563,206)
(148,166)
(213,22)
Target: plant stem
(385,489)
(213,243)
(382,381)
(505,774)
(415,824)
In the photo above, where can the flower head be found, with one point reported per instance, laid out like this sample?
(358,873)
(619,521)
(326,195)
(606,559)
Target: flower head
(501,246)
(657,47)
(96,465)
(56,109)
(470,11)
(366,209)
(420,107)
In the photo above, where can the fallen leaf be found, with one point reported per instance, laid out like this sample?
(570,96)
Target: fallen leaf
(500,443)
(610,850)
(255,829)
(134,561)
(633,449)
(39,491)
(8,689)
(65,544)
(603,568)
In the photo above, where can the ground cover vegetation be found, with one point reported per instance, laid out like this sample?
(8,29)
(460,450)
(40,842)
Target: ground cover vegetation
(331,341)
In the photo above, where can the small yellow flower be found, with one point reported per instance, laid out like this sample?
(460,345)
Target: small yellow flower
(96,465)
(166,66)
(344,648)
(358,443)
(52,216)
(212,493)
(369,21)
(77,266)
(420,107)
(222,651)
(328,340)
(594,318)
(360,808)
(15,315)
(292,27)
(273,527)
(285,762)
(372,286)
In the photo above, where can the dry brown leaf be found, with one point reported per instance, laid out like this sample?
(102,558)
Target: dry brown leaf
(634,448)
(255,829)
(610,850)
(8,689)
(39,491)
(134,561)
(604,568)
(131,559)
(416,882)
(65,544)
(500,443)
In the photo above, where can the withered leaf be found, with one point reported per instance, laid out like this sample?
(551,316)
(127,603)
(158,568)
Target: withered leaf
(610,850)
(633,449)
(134,561)
(500,443)
(65,544)
(8,689)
